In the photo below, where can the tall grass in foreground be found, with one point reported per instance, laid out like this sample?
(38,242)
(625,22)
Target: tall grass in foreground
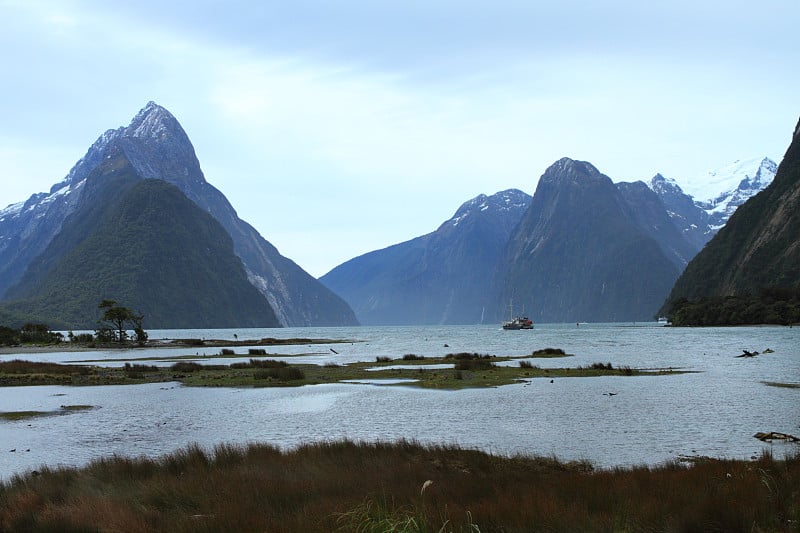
(402,486)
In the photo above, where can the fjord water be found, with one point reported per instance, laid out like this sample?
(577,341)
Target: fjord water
(714,410)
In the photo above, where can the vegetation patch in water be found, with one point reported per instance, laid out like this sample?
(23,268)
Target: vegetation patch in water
(453,371)
(12,416)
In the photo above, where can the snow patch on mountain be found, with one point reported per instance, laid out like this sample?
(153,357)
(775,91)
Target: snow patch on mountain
(503,201)
(744,174)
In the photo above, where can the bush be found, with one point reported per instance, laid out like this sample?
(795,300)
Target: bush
(465,355)
(8,336)
(483,363)
(257,351)
(549,351)
(383,359)
(136,371)
(84,338)
(186,366)
(412,357)
(227,351)
(284,373)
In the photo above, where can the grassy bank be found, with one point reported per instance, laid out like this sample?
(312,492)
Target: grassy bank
(462,370)
(403,486)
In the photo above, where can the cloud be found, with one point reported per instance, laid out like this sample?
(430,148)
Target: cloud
(364,124)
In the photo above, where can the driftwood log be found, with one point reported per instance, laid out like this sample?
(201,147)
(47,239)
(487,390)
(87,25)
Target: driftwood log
(774,435)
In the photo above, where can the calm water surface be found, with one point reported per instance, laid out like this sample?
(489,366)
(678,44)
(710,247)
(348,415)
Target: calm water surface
(714,411)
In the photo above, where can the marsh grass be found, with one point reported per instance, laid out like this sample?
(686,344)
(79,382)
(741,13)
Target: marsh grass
(282,373)
(18,366)
(471,370)
(13,416)
(346,486)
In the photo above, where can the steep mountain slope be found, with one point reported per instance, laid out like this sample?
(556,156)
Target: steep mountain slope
(157,147)
(144,244)
(443,277)
(758,248)
(649,213)
(579,253)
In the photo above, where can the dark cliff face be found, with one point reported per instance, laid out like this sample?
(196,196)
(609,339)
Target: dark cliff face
(758,248)
(579,253)
(649,213)
(443,277)
(157,147)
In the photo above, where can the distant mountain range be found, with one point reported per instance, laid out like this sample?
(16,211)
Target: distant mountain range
(582,249)
(153,146)
(444,277)
(136,221)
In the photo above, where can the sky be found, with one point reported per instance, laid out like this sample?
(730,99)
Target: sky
(338,128)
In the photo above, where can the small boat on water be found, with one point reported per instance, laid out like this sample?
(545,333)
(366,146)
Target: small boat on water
(519,322)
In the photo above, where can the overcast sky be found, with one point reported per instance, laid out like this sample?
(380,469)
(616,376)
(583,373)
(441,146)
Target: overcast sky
(340,127)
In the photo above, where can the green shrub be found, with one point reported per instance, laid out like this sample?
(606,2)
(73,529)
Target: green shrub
(283,373)
(474,364)
(186,366)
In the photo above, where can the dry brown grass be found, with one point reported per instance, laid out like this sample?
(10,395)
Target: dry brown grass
(345,486)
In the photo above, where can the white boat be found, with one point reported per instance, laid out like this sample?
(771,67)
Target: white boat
(519,322)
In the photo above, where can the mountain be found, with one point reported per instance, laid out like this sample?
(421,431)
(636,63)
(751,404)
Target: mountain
(147,246)
(750,177)
(714,197)
(687,217)
(582,253)
(759,247)
(650,215)
(156,147)
(443,277)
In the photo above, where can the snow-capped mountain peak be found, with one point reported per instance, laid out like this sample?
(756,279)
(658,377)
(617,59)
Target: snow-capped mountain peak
(663,185)
(705,204)
(754,173)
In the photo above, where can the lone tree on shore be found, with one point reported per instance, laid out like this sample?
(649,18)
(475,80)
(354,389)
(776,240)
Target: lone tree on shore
(114,322)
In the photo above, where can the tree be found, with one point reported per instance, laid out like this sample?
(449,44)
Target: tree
(114,321)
